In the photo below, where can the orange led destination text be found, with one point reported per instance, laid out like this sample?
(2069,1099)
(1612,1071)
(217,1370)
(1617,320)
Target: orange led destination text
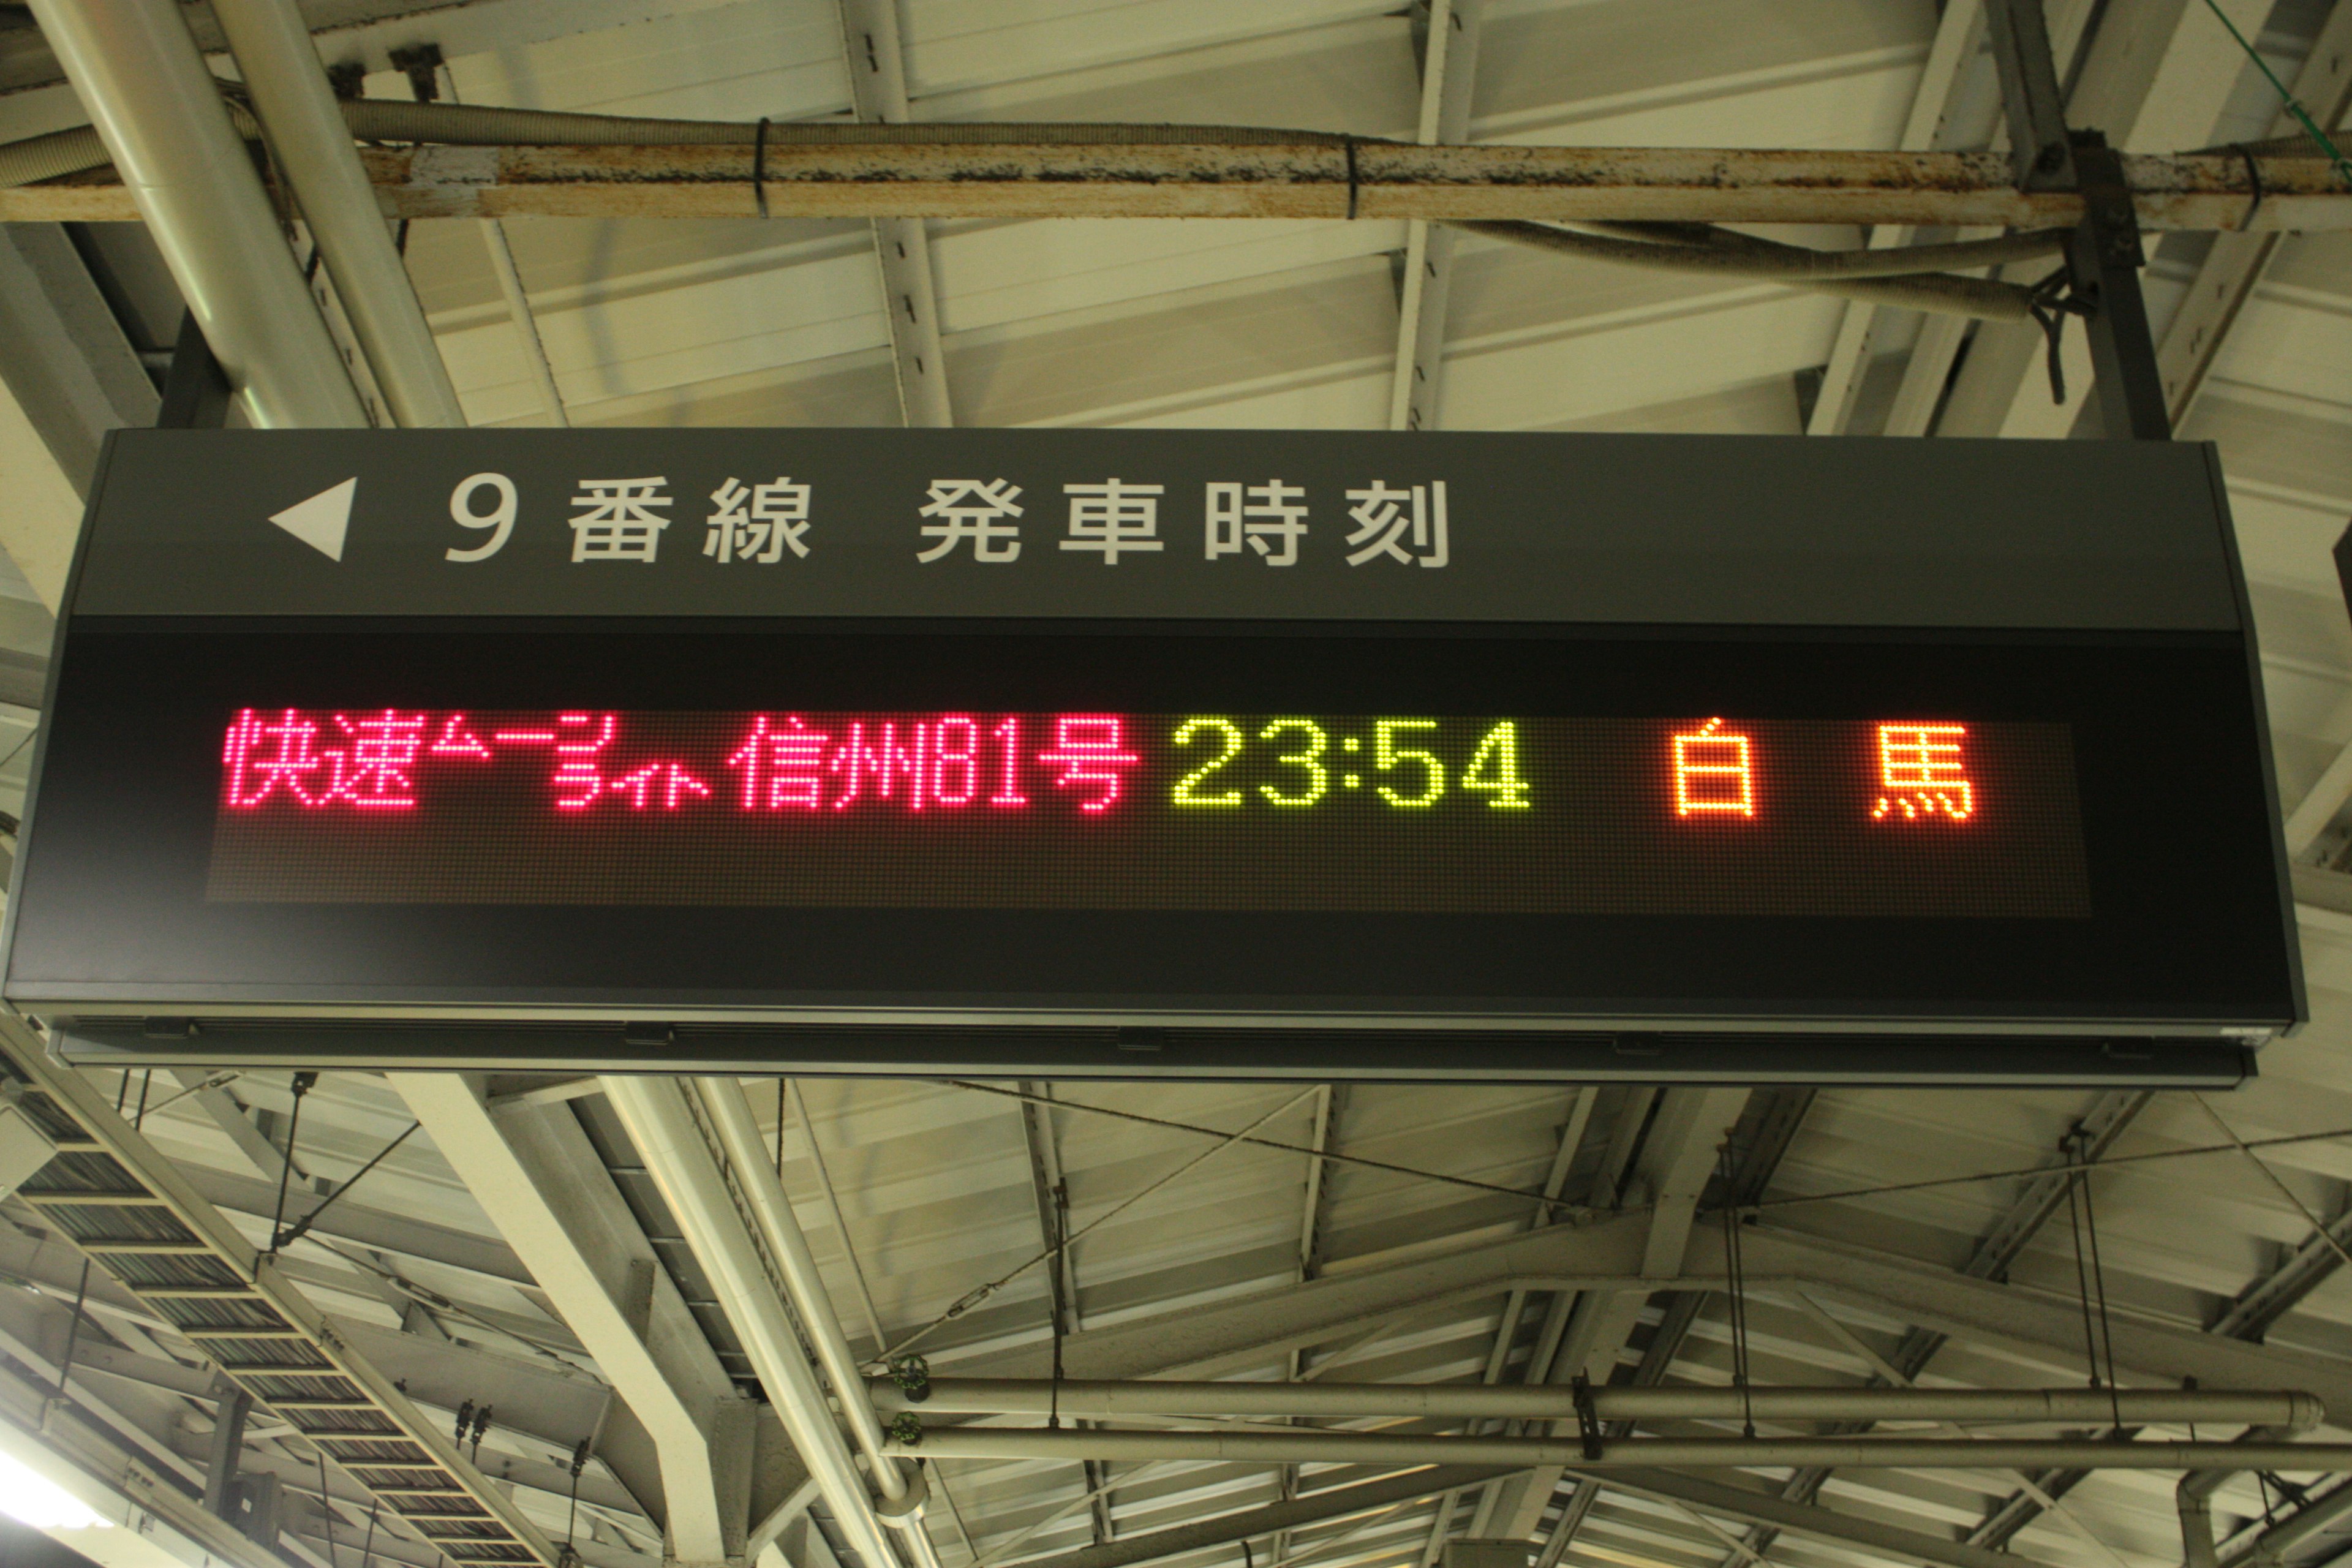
(1714,772)
(1923,773)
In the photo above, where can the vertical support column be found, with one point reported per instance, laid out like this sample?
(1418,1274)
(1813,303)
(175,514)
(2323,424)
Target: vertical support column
(877,87)
(2104,256)
(1449,65)
(220,1459)
(307,133)
(196,389)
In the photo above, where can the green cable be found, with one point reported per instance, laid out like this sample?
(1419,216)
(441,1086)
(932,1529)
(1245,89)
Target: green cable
(2300,115)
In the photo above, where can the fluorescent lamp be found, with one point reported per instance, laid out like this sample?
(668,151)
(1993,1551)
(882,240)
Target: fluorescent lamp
(33,1499)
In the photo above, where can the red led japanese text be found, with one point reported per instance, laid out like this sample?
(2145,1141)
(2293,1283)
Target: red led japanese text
(391,759)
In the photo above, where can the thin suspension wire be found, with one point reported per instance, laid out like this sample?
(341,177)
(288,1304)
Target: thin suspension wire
(301,1083)
(2082,1279)
(2019,1172)
(2099,1281)
(975,1295)
(1549,1204)
(1553,1204)
(1737,1275)
(2287,100)
(2247,1148)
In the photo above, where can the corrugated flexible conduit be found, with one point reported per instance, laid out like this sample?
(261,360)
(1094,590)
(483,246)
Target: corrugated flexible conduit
(1911,277)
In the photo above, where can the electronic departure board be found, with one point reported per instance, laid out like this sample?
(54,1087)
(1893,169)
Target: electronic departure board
(1175,752)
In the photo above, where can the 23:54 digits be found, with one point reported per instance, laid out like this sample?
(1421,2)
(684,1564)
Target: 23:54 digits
(1301,761)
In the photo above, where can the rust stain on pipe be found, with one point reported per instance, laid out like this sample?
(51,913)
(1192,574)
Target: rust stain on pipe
(1305,181)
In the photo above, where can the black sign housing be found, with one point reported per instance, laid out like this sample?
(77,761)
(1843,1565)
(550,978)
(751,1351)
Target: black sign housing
(1478,755)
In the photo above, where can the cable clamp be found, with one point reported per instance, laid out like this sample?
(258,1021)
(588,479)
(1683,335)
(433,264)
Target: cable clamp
(759,165)
(1588,1420)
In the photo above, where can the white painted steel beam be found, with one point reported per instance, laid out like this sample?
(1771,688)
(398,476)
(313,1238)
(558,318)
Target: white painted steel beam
(156,106)
(902,246)
(1717,1499)
(661,1122)
(538,1177)
(1960,33)
(313,147)
(779,1230)
(63,355)
(2320,803)
(1449,65)
(2233,269)
(2040,1323)
(2110,1115)
(1680,1152)
(1604,1256)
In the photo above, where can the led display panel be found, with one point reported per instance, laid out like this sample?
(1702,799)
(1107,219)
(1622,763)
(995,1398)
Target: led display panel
(1394,814)
(1858,832)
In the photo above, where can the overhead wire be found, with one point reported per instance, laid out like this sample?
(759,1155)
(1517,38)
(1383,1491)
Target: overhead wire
(2319,1227)
(2022,1173)
(978,1294)
(2287,100)
(1551,1203)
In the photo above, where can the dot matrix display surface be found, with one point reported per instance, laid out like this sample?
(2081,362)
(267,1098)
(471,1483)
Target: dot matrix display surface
(1211,811)
(955,819)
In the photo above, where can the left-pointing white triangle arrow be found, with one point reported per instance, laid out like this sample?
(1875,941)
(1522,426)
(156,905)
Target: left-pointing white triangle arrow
(321,522)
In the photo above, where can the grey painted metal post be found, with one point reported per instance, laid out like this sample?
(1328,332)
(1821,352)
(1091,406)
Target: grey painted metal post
(2104,256)
(158,108)
(220,1459)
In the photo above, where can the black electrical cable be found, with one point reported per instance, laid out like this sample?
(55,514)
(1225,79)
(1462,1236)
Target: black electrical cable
(367,1546)
(326,1506)
(571,1519)
(1058,1303)
(301,1228)
(146,1083)
(73,1327)
(1735,1269)
(303,1082)
(783,1085)
(2082,1279)
(759,165)
(2099,1281)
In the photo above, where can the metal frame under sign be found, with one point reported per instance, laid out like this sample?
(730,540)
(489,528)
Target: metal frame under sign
(1227,753)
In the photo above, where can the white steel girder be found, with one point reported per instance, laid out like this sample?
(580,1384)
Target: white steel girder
(535,1174)
(1681,1152)
(1606,1254)
(2233,269)
(1958,34)
(910,300)
(1449,67)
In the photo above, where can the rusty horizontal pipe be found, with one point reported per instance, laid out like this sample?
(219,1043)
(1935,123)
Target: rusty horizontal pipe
(1308,1445)
(1317,180)
(2076,1407)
